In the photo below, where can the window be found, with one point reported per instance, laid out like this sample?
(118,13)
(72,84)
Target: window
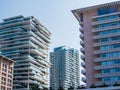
(108,24)
(108,17)
(110,62)
(107,47)
(106,79)
(113,70)
(81,17)
(104,40)
(107,10)
(113,54)
(2,88)
(109,39)
(106,71)
(111,78)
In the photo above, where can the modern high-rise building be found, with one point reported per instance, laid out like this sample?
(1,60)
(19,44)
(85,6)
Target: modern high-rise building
(25,40)
(100,41)
(64,71)
(6,73)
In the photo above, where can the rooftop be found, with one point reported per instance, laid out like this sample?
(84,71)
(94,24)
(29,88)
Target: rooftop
(1,56)
(97,6)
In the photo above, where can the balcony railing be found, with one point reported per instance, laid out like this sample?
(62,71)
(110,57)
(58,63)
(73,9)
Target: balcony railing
(107,75)
(105,21)
(106,43)
(106,51)
(82,43)
(106,28)
(81,29)
(107,82)
(106,67)
(106,35)
(83,57)
(95,17)
(106,59)
(82,50)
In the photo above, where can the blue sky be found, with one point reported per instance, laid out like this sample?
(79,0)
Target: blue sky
(54,14)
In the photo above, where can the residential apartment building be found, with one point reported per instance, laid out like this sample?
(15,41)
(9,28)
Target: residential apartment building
(25,40)
(6,73)
(100,41)
(64,71)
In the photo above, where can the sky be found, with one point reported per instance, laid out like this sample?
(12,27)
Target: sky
(55,15)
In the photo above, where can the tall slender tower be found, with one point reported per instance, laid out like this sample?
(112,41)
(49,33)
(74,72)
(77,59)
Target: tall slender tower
(64,70)
(100,40)
(25,40)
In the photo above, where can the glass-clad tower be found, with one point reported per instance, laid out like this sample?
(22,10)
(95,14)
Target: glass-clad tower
(100,38)
(64,71)
(25,40)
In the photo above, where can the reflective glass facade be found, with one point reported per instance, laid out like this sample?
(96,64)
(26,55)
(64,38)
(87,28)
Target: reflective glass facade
(106,11)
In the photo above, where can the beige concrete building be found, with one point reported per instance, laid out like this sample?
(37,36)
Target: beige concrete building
(100,41)
(6,73)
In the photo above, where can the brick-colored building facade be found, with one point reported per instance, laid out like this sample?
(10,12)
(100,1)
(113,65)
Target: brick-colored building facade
(6,73)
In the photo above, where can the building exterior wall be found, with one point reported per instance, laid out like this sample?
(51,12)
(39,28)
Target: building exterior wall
(100,34)
(6,73)
(65,70)
(103,88)
(25,40)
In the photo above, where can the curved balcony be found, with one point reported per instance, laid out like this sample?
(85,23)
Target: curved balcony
(83,63)
(83,71)
(82,50)
(83,57)
(82,43)
(81,30)
(83,79)
(81,36)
